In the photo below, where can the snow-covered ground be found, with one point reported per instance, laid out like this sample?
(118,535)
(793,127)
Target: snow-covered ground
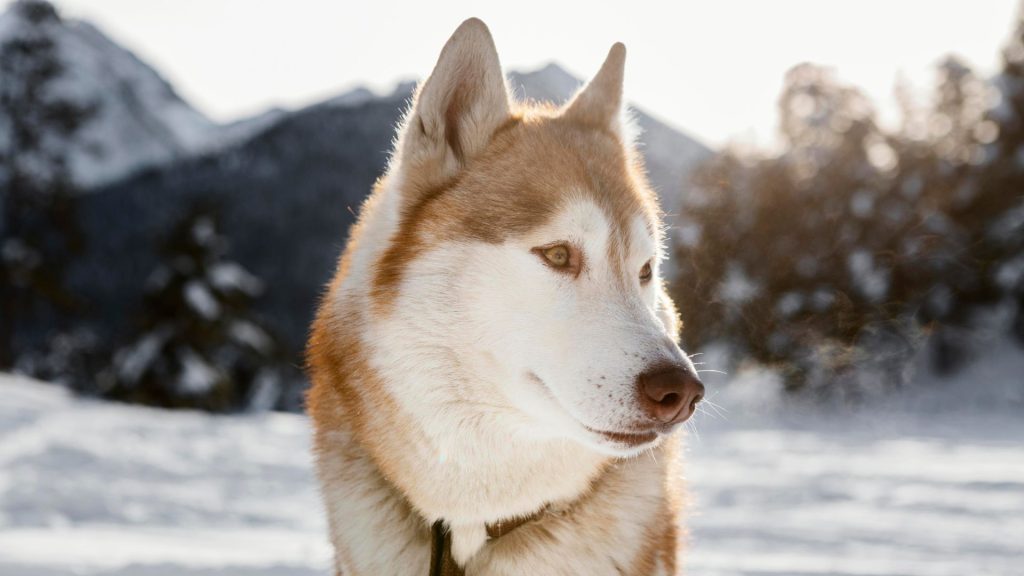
(91,488)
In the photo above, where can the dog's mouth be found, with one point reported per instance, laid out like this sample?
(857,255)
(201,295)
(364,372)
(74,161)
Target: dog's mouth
(631,439)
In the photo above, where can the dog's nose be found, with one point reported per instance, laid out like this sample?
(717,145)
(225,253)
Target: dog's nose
(670,393)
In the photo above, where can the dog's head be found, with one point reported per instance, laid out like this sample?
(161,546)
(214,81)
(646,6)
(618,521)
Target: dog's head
(527,253)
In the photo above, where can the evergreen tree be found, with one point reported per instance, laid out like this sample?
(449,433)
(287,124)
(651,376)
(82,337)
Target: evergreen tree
(994,212)
(38,232)
(939,173)
(198,346)
(854,244)
(793,263)
(971,169)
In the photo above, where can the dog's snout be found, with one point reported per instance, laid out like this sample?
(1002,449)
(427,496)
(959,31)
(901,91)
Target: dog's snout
(670,393)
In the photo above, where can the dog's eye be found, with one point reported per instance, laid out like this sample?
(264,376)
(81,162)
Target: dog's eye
(562,257)
(646,273)
(557,256)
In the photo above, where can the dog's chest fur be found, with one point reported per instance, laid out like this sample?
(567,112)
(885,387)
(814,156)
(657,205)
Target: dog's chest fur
(624,524)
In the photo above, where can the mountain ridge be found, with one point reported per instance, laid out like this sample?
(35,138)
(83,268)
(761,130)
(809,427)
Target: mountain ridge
(286,183)
(142,122)
(137,118)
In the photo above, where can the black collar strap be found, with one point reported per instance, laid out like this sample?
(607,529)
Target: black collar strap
(441,561)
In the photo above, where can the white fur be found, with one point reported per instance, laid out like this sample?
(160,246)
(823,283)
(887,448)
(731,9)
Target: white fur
(457,360)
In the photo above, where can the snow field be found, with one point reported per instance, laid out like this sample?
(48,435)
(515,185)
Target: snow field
(93,488)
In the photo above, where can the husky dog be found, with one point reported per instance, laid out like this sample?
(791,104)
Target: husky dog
(496,379)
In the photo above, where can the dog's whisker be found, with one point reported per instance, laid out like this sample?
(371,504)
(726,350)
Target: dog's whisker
(691,426)
(703,410)
(700,411)
(718,410)
(707,399)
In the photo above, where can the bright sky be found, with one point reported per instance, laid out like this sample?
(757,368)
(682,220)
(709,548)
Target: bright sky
(713,68)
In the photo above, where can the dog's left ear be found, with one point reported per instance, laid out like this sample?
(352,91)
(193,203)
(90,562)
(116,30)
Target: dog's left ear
(459,107)
(599,103)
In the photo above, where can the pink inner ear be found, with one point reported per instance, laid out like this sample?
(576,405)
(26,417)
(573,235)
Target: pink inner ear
(458,108)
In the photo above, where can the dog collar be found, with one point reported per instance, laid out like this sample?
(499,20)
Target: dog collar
(441,561)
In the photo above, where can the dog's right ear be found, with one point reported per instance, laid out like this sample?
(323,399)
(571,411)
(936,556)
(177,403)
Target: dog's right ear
(599,103)
(457,109)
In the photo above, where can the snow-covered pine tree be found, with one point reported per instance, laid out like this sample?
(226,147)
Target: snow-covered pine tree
(856,243)
(790,262)
(198,345)
(995,212)
(975,187)
(938,175)
(38,230)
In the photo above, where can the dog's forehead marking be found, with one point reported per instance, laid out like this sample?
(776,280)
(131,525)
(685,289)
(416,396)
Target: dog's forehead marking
(583,221)
(533,169)
(585,217)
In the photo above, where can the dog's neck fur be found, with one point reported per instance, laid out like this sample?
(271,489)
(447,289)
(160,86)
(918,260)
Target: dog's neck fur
(456,466)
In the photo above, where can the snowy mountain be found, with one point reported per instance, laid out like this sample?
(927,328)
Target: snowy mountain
(93,488)
(286,196)
(137,119)
(288,183)
(670,155)
(298,182)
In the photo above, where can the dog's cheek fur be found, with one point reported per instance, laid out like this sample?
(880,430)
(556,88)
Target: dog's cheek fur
(587,337)
(422,358)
